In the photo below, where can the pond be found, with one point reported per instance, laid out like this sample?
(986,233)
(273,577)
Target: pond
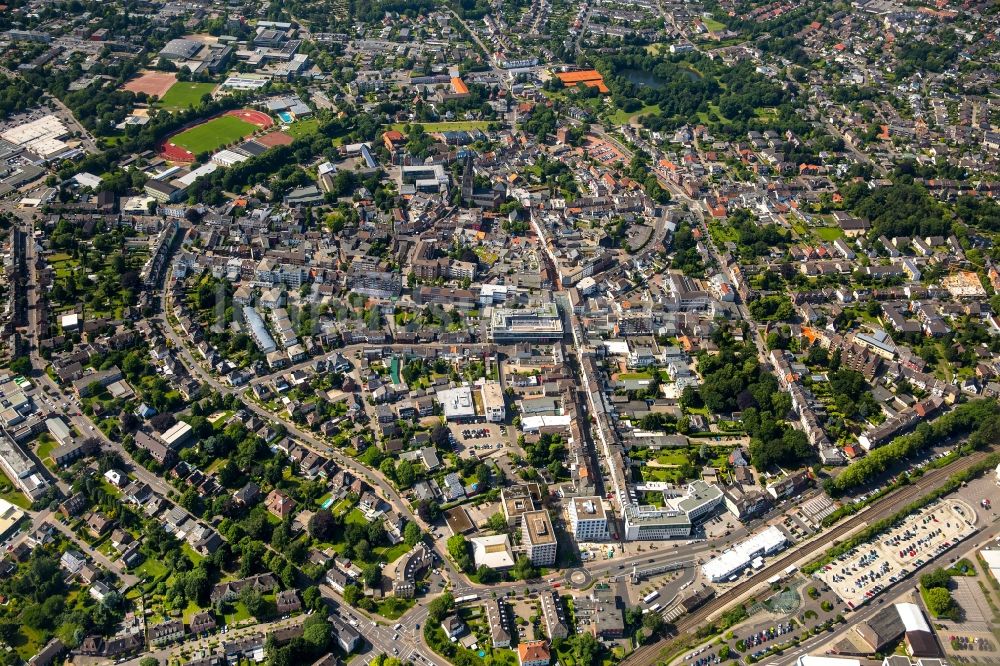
(650,80)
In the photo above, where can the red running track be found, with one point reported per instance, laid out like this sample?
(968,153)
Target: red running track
(173,153)
(258,118)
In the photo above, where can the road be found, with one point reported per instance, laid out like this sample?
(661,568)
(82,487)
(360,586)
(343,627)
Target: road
(886,506)
(413,642)
(677,194)
(870,610)
(475,37)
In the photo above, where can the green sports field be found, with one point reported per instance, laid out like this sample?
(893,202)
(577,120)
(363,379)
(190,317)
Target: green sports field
(213,134)
(184,95)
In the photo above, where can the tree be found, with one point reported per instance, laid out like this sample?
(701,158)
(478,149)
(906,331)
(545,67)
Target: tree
(21,365)
(458,548)
(163,422)
(412,534)
(427,510)
(440,436)
(406,474)
(253,600)
(371,575)
(653,622)
(486,575)
(352,593)
(317,632)
(362,550)
(690,398)
(439,608)
(524,569)
(483,477)
(312,598)
(149,661)
(497,522)
(587,650)
(940,603)
(937,578)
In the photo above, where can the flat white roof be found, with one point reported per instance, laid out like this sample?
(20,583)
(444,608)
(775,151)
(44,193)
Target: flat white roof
(457,402)
(46,127)
(616,347)
(742,554)
(992,558)
(535,423)
(85,179)
(203,170)
(228,157)
(492,551)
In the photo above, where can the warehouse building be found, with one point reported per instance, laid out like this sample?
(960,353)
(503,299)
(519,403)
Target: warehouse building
(744,554)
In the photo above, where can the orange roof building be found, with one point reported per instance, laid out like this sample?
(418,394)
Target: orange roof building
(458,86)
(588,77)
(534,653)
(392,138)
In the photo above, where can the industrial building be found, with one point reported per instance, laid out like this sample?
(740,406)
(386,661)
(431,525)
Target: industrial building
(43,137)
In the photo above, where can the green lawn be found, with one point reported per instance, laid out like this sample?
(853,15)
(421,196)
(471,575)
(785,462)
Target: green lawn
(214,134)
(393,553)
(672,458)
(620,117)
(637,376)
(829,234)
(301,128)
(454,126)
(150,568)
(239,613)
(713,25)
(722,233)
(184,95)
(394,607)
(355,516)
(45,448)
(192,555)
(341,507)
(9,492)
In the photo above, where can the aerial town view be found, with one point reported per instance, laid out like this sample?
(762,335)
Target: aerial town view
(500,332)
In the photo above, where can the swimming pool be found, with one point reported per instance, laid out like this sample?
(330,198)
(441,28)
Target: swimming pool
(327,503)
(285,117)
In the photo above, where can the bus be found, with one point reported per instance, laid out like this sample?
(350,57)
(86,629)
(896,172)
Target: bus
(649,597)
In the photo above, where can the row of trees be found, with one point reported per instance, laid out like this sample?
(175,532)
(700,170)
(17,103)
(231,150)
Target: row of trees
(980,418)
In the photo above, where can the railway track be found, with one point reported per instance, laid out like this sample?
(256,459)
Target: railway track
(648,654)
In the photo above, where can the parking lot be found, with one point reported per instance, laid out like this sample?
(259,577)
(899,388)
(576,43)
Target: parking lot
(860,575)
(757,643)
(479,439)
